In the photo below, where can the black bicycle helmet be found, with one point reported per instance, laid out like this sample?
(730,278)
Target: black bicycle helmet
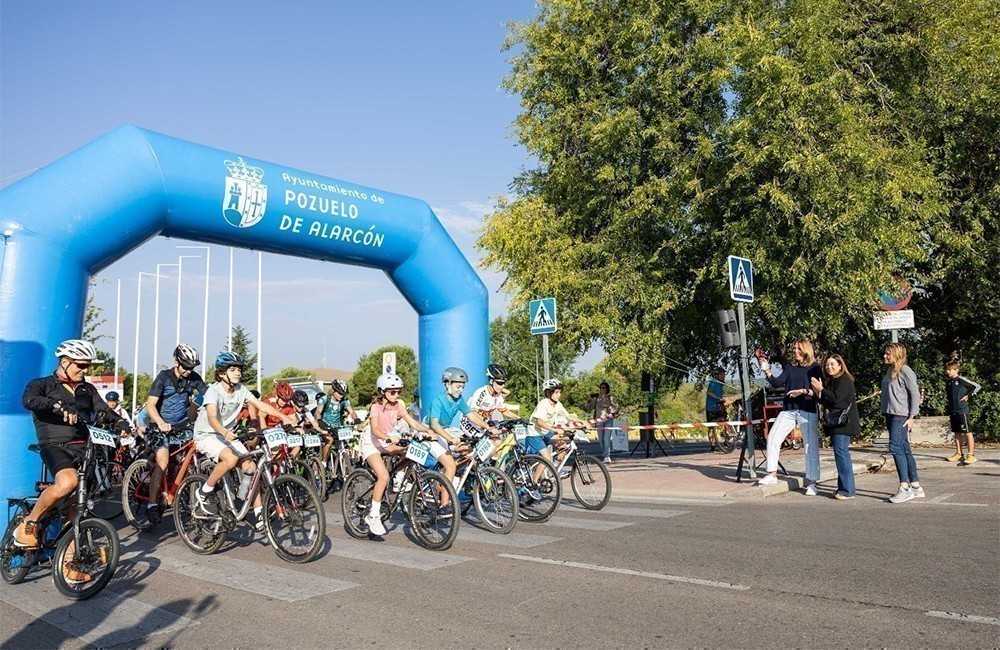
(339,385)
(300,398)
(496,372)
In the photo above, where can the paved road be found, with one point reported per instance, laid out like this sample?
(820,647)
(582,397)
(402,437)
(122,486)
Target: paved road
(788,570)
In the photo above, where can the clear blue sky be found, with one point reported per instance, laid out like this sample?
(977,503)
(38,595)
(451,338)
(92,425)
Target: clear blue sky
(400,96)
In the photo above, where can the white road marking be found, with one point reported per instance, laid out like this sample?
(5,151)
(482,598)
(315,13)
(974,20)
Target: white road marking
(630,512)
(254,577)
(939,498)
(673,501)
(105,620)
(468,533)
(966,618)
(401,556)
(629,572)
(587,524)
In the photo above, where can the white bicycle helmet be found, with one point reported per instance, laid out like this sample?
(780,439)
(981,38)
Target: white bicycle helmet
(77,349)
(388,381)
(551,384)
(187,356)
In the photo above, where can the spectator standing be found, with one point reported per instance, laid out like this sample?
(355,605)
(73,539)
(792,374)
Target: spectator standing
(604,409)
(799,409)
(900,405)
(959,390)
(840,419)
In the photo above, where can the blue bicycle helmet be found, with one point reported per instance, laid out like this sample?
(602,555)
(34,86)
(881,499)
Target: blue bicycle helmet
(112,396)
(228,360)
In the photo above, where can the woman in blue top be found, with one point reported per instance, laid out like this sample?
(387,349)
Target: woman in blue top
(799,409)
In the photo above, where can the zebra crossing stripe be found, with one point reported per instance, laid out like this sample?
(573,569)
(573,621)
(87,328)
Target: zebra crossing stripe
(259,578)
(107,619)
(631,512)
(468,533)
(587,524)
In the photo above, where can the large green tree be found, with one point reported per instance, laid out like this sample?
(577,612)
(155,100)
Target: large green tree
(242,344)
(834,143)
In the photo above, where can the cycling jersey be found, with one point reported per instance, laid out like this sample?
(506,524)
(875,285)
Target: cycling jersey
(174,394)
(334,411)
(444,408)
(288,409)
(228,406)
(43,394)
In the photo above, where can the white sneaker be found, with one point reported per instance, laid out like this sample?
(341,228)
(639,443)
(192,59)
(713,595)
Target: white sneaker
(811,490)
(918,492)
(770,479)
(904,494)
(374,523)
(607,459)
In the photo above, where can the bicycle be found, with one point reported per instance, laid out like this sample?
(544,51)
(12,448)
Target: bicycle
(539,490)
(72,542)
(434,525)
(306,462)
(293,519)
(341,460)
(588,476)
(135,486)
(490,490)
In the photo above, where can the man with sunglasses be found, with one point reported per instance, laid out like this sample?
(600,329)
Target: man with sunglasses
(488,400)
(170,404)
(61,404)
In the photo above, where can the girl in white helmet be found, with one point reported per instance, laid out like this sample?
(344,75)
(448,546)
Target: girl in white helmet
(385,413)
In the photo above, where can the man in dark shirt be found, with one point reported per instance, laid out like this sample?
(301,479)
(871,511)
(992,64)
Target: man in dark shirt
(170,404)
(61,404)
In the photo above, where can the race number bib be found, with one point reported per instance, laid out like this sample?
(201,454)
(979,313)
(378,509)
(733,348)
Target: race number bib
(483,448)
(293,441)
(520,432)
(274,437)
(101,437)
(418,452)
(345,433)
(313,441)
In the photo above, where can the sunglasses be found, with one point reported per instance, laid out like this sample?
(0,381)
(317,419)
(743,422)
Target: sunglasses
(393,391)
(82,366)
(499,382)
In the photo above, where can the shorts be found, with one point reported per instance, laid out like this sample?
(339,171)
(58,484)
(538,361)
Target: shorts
(960,423)
(370,445)
(536,444)
(716,416)
(60,457)
(212,446)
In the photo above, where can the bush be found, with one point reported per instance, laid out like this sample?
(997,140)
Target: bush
(985,414)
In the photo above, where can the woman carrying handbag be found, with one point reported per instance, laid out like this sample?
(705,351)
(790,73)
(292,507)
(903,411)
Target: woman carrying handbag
(840,419)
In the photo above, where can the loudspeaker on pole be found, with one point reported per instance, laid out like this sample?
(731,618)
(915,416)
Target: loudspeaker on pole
(729,330)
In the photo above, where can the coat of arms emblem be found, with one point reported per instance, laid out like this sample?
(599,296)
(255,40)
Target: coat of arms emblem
(245,197)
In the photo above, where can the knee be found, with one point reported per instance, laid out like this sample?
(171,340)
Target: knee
(65,482)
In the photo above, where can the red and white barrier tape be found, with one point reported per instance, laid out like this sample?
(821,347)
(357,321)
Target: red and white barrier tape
(692,425)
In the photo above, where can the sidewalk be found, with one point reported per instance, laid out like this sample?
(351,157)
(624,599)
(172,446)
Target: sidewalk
(709,475)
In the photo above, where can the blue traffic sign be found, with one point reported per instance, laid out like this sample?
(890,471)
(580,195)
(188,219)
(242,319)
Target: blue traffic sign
(740,279)
(542,316)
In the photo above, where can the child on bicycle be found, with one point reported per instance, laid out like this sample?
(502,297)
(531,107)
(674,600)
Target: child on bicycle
(486,401)
(213,436)
(333,410)
(385,414)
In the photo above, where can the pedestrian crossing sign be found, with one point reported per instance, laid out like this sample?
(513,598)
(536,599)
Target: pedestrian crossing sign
(740,279)
(542,316)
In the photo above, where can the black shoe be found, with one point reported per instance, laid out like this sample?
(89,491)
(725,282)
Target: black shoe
(153,515)
(208,502)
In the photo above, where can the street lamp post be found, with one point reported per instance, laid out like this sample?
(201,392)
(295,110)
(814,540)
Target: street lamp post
(260,294)
(156,317)
(135,361)
(180,271)
(229,336)
(208,269)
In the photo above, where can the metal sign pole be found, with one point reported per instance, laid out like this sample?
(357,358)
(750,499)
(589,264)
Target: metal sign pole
(745,377)
(545,355)
(895,335)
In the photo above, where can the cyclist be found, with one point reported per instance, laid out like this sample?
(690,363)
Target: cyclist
(443,410)
(213,435)
(546,415)
(281,402)
(114,403)
(488,400)
(385,414)
(171,404)
(331,410)
(60,405)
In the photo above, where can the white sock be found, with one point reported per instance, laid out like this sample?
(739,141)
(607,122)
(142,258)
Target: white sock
(150,506)
(207,489)
(376,507)
(257,511)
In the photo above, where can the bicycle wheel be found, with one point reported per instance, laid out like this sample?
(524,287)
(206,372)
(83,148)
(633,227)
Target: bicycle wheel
(319,478)
(434,525)
(81,573)
(591,482)
(539,489)
(294,519)
(15,562)
(135,494)
(355,498)
(725,439)
(496,499)
(106,491)
(202,533)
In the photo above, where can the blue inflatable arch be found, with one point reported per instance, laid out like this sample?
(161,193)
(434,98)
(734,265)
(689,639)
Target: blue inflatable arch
(78,215)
